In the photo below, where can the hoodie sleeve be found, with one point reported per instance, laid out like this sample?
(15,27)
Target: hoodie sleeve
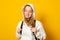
(40,31)
(17,34)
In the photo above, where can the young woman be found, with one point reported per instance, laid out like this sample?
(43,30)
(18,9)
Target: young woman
(31,29)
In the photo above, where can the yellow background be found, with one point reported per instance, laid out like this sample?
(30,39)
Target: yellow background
(47,11)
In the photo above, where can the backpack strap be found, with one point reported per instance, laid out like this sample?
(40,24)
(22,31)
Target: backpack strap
(33,32)
(21,27)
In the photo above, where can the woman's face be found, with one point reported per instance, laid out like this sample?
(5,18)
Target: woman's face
(28,12)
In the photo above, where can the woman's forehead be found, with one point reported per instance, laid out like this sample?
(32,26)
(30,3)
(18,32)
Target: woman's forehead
(28,8)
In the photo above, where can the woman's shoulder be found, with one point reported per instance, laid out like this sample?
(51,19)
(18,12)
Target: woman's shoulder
(38,24)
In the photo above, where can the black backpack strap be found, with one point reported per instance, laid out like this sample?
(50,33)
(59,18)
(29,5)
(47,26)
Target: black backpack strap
(21,27)
(33,32)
